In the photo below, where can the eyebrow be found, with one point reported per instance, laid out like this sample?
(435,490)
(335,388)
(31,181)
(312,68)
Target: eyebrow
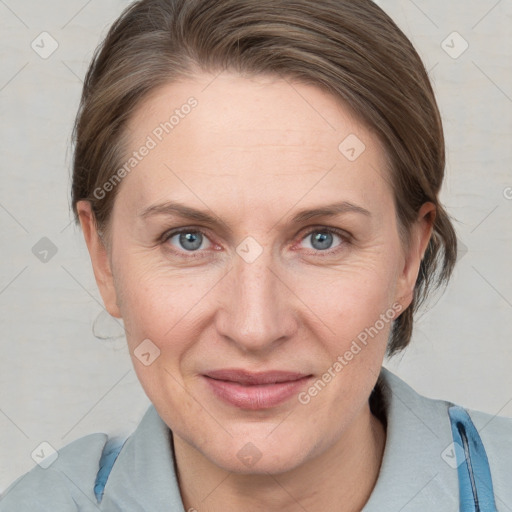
(330,211)
(170,208)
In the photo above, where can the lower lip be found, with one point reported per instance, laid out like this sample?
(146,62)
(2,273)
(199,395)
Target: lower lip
(255,397)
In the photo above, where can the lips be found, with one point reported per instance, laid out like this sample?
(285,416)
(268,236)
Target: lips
(249,390)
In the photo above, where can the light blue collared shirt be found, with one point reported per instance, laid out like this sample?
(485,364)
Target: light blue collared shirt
(423,464)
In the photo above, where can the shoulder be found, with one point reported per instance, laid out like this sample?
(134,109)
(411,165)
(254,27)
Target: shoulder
(97,471)
(496,435)
(494,430)
(62,482)
(427,429)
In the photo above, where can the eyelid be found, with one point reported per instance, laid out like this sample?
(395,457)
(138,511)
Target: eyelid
(167,235)
(329,229)
(344,235)
(305,232)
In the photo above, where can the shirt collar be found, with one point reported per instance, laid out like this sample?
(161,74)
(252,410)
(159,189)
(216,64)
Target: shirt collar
(143,477)
(413,474)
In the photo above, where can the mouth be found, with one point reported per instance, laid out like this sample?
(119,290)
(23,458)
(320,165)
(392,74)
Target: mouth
(253,391)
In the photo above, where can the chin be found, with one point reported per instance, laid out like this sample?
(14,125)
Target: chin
(250,460)
(259,452)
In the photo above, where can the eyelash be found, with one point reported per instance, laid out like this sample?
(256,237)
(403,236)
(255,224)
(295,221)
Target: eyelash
(344,236)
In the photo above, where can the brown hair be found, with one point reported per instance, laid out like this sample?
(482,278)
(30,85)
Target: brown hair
(350,48)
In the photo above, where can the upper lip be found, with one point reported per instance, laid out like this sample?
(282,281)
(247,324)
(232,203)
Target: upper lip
(255,378)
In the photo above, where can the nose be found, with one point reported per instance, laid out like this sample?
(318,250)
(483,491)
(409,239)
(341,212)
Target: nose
(256,307)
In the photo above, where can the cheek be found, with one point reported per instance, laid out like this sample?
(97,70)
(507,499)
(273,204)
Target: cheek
(351,298)
(171,305)
(161,303)
(358,312)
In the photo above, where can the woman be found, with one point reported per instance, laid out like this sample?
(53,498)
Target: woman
(258,186)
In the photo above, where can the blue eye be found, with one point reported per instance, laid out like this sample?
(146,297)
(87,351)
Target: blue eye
(189,241)
(321,239)
(194,241)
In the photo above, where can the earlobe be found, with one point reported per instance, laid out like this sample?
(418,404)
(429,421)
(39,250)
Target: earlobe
(420,235)
(99,258)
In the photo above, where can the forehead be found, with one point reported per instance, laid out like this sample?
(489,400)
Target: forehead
(246,133)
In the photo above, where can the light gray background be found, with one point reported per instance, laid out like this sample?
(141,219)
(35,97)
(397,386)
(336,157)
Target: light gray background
(59,381)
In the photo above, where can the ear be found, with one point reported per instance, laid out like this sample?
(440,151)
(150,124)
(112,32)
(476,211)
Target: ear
(99,258)
(421,232)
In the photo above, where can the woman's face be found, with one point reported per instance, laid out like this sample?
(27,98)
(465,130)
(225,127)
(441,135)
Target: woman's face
(257,266)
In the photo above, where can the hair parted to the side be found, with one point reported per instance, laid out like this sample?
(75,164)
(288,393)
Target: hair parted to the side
(350,48)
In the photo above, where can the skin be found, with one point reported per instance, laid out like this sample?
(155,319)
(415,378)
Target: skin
(253,153)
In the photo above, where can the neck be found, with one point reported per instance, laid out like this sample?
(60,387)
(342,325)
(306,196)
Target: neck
(340,479)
